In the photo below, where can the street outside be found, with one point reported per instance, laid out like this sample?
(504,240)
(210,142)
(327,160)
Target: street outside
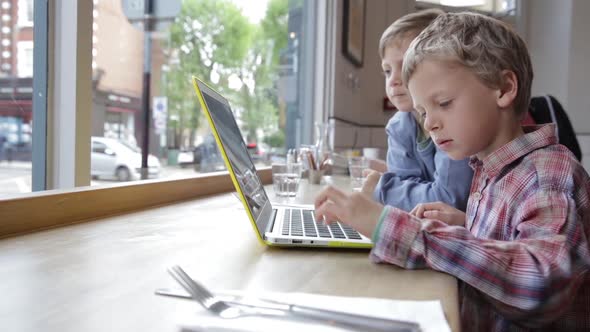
(15,177)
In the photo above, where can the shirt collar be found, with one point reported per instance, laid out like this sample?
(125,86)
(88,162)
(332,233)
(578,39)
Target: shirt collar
(535,137)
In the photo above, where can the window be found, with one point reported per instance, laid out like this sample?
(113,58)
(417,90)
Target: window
(25,12)
(261,70)
(16,87)
(494,7)
(253,52)
(25,59)
(505,10)
(98,147)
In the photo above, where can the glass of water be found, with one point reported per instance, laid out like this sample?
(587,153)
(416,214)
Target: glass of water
(286,178)
(356,167)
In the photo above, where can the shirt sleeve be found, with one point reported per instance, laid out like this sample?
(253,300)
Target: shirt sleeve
(407,181)
(531,278)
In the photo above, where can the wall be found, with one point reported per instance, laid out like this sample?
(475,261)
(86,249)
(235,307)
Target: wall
(579,69)
(363,105)
(557,36)
(549,21)
(579,77)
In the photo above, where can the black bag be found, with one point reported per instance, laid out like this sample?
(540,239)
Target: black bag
(546,109)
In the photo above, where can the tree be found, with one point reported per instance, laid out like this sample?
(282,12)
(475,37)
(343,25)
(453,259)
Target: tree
(214,41)
(209,38)
(258,96)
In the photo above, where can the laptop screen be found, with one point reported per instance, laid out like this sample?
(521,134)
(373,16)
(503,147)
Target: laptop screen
(236,151)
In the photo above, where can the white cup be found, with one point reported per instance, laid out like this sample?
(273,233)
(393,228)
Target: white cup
(371,153)
(286,178)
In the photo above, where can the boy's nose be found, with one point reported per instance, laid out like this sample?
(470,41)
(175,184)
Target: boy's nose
(396,77)
(430,124)
(395,80)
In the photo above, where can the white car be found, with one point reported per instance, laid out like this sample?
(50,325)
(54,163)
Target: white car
(113,159)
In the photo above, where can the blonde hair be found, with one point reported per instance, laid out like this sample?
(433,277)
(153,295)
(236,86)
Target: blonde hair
(411,24)
(482,44)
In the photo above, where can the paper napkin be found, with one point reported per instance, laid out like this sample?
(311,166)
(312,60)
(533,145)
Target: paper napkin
(428,314)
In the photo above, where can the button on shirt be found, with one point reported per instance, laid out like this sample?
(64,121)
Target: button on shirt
(523,257)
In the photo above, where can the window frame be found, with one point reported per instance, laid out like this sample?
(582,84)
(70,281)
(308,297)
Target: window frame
(41,38)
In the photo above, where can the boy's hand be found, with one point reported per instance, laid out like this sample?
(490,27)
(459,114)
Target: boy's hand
(372,178)
(378,165)
(354,209)
(439,211)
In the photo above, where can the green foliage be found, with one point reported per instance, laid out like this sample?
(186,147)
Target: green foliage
(259,100)
(208,37)
(274,27)
(212,40)
(275,140)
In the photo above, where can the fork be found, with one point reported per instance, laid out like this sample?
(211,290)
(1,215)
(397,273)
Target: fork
(234,309)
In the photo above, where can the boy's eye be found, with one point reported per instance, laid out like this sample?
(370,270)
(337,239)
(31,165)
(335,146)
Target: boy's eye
(445,103)
(386,72)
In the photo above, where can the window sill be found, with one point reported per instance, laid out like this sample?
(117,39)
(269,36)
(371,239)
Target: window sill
(54,208)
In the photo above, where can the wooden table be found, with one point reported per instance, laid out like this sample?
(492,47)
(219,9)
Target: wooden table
(101,275)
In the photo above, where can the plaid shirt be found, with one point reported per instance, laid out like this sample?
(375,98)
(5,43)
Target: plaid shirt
(523,257)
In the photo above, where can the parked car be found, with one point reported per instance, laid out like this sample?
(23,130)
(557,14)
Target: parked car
(114,159)
(258,151)
(205,157)
(185,158)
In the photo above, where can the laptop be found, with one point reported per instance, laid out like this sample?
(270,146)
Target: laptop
(287,226)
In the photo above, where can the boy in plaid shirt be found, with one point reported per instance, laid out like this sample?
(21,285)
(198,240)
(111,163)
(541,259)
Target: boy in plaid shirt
(521,249)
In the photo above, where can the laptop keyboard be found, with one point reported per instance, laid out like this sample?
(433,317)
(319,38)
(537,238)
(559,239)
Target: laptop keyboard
(298,222)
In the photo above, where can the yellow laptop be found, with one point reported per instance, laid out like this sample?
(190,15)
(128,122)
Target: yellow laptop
(274,225)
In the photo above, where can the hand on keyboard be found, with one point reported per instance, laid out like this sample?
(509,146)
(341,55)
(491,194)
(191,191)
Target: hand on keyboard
(356,209)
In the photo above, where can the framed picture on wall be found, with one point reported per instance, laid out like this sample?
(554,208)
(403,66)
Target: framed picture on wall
(353,31)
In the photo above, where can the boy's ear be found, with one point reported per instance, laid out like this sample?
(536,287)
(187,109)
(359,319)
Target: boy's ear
(508,90)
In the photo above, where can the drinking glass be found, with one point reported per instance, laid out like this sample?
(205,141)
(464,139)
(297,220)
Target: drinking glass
(356,167)
(286,178)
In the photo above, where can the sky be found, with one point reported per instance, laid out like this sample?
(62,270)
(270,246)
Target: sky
(253,9)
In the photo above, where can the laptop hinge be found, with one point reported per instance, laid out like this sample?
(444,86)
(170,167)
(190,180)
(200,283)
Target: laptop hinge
(270,225)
